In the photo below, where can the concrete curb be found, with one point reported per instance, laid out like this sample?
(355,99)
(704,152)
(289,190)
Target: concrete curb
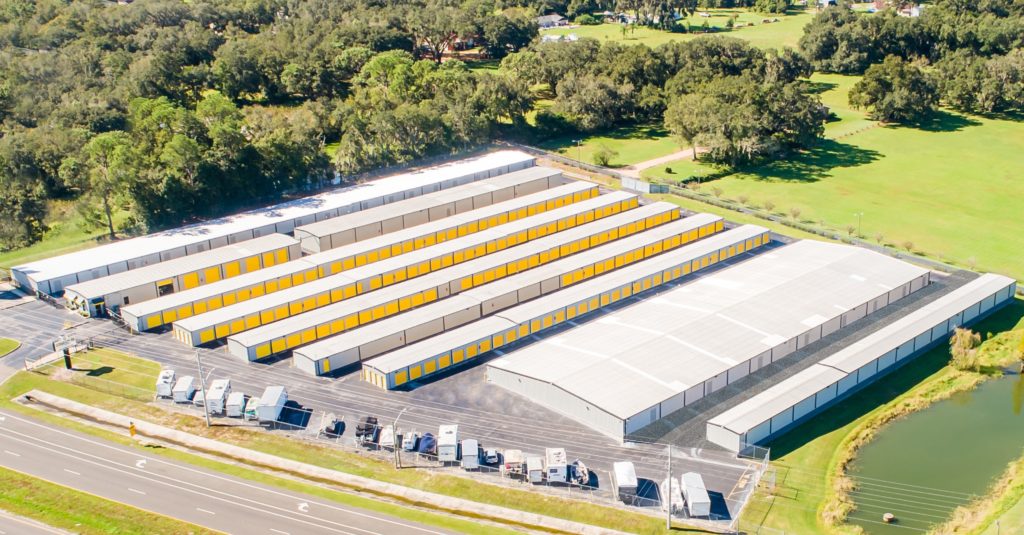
(446,503)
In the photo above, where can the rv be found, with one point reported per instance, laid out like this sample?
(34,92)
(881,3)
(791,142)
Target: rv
(470,454)
(236,405)
(513,462)
(556,468)
(448,443)
(698,503)
(217,395)
(184,389)
(252,408)
(271,404)
(534,469)
(165,384)
(671,496)
(387,437)
(624,480)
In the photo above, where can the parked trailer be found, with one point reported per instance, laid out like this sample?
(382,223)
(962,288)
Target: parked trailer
(236,405)
(556,465)
(672,496)
(448,443)
(271,404)
(698,503)
(184,389)
(507,241)
(470,454)
(624,480)
(165,384)
(52,275)
(102,296)
(252,408)
(534,469)
(513,465)
(388,438)
(217,395)
(162,311)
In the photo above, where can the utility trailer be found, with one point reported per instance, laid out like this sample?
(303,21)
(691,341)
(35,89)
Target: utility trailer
(184,389)
(217,396)
(165,384)
(698,503)
(271,404)
(624,480)
(236,405)
(448,443)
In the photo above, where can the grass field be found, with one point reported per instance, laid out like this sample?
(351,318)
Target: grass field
(806,456)
(84,513)
(66,234)
(786,32)
(634,144)
(8,345)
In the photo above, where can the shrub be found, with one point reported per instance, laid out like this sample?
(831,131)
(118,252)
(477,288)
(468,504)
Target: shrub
(552,124)
(963,349)
(587,19)
(717,191)
(604,154)
(769,206)
(794,212)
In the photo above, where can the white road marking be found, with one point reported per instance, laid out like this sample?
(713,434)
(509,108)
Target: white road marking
(207,511)
(141,463)
(303,507)
(9,452)
(279,531)
(72,472)
(137,491)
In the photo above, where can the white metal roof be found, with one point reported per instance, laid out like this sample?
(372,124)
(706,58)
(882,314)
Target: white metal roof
(97,257)
(179,266)
(661,346)
(436,345)
(424,202)
(777,398)
(273,395)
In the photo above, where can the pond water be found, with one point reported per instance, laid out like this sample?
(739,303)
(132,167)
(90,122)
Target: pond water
(922,467)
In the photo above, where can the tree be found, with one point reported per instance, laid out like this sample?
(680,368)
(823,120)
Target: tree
(435,26)
(593,102)
(895,91)
(110,160)
(503,35)
(963,349)
(604,155)
(684,117)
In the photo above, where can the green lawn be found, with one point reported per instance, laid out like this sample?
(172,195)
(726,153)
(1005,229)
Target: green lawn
(786,32)
(634,143)
(111,371)
(680,170)
(66,234)
(8,345)
(81,512)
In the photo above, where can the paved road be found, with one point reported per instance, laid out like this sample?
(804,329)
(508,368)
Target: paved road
(11,524)
(178,489)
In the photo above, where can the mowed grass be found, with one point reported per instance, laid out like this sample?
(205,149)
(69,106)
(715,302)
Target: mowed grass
(8,345)
(786,32)
(950,188)
(110,371)
(81,512)
(806,456)
(66,233)
(633,143)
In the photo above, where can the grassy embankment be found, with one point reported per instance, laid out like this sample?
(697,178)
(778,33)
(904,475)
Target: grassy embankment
(81,512)
(130,371)
(812,490)
(7,346)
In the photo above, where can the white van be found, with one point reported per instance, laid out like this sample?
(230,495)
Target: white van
(165,384)
(470,454)
(236,405)
(217,395)
(184,389)
(556,467)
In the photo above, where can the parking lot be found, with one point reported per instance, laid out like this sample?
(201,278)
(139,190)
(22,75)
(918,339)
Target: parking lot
(493,416)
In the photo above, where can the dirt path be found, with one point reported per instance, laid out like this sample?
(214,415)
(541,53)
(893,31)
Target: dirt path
(634,170)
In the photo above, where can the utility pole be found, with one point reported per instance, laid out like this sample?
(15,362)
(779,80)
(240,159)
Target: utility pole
(202,383)
(579,150)
(394,439)
(859,215)
(668,504)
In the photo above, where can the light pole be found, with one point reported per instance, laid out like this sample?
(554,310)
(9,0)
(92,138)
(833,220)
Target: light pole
(579,149)
(202,384)
(394,438)
(859,215)
(668,507)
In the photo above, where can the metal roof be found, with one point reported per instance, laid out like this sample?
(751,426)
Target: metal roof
(121,251)
(436,345)
(179,266)
(424,202)
(777,398)
(661,346)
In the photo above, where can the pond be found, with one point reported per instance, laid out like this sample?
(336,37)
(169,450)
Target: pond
(922,467)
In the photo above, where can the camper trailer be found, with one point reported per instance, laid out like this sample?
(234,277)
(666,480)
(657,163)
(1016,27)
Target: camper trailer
(165,384)
(556,468)
(184,389)
(217,395)
(236,405)
(534,469)
(624,475)
(513,465)
(271,404)
(698,503)
(448,443)
(252,408)
(671,496)
(470,454)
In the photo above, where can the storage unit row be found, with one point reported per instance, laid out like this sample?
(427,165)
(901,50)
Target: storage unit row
(366,224)
(52,275)
(799,397)
(163,311)
(394,332)
(303,329)
(234,319)
(451,348)
(97,296)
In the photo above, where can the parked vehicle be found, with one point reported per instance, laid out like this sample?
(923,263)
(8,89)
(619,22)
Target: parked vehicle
(513,465)
(671,497)
(165,384)
(578,473)
(252,408)
(448,443)
(271,404)
(427,445)
(698,503)
(368,430)
(199,399)
(534,469)
(387,437)
(184,389)
(410,440)
(624,480)
(335,429)
(491,456)
(470,454)
(236,405)
(217,395)
(556,469)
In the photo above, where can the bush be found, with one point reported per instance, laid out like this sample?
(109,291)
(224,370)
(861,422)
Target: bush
(604,154)
(963,349)
(587,19)
(552,124)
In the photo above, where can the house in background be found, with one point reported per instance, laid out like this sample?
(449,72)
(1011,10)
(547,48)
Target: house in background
(551,21)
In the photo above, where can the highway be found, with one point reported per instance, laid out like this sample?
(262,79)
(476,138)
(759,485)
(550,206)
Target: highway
(206,498)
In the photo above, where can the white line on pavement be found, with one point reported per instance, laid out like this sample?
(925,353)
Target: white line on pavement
(72,472)
(207,511)
(279,531)
(136,491)
(8,452)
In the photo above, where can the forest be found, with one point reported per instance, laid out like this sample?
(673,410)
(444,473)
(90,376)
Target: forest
(164,111)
